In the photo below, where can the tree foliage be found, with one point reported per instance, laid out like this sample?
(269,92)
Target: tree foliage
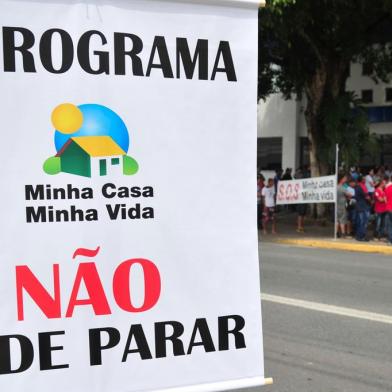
(305,50)
(346,123)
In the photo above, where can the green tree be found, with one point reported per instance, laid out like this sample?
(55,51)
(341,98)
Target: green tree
(305,49)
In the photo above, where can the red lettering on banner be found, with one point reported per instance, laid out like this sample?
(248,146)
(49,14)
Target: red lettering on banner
(122,290)
(296,193)
(281,192)
(85,252)
(87,273)
(26,280)
(288,192)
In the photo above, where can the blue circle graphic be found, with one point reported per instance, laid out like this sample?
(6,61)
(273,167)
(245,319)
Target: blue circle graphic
(98,120)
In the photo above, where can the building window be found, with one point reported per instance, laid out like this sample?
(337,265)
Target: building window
(379,114)
(388,94)
(367,69)
(269,153)
(115,161)
(367,96)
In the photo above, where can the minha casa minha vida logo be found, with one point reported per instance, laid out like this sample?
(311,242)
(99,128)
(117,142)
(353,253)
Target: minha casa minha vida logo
(91,140)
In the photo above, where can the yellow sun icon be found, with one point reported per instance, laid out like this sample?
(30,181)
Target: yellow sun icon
(67,118)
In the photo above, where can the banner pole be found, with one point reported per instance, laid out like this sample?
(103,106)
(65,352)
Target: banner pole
(336,192)
(222,386)
(269,381)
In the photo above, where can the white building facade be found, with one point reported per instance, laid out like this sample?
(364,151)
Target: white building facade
(282,131)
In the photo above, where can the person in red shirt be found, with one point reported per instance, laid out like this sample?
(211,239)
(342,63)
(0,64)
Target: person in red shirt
(388,207)
(380,204)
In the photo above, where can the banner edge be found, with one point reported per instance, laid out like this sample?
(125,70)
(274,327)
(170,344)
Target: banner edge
(220,385)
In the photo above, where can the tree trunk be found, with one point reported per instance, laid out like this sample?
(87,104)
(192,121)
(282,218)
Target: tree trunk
(315,93)
(325,85)
(317,168)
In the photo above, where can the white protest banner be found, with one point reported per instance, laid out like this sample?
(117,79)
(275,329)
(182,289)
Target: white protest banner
(129,246)
(307,190)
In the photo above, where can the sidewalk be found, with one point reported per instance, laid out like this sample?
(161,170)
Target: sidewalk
(318,236)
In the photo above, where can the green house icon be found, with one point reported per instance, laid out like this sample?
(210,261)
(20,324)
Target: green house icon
(91,156)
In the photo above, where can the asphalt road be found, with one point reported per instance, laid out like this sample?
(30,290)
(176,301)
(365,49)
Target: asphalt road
(320,351)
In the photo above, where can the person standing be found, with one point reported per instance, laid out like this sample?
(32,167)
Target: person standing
(277,178)
(260,186)
(369,198)
(300,208)
(341,206)
(287,174)
(350,194)
(361,211)
(380,205)
(354,173)
(306,171)
(268,194)
(369,181)
(388,208)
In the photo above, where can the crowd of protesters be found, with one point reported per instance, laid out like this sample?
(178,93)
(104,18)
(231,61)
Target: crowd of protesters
(266,199)
(364,200)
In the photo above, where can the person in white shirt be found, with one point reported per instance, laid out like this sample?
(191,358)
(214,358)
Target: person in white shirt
(370,183)
(268,194)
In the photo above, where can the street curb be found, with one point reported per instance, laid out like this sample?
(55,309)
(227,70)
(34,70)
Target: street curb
(347,246)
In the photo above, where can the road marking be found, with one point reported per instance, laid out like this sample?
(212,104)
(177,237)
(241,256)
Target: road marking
(320,307)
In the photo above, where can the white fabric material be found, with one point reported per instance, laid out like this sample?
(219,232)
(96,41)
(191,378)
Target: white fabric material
(195,143)
(307,190)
